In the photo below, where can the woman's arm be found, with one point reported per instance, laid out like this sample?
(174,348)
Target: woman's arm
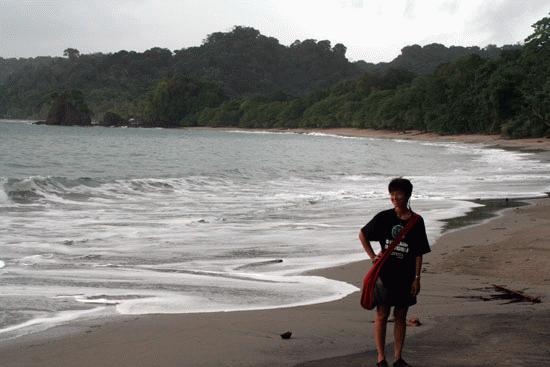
(367,247)
(415,288)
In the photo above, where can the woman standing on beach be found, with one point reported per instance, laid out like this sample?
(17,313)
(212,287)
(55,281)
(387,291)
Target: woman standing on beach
(399,281)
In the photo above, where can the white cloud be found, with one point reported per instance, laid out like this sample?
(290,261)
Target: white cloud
(374,30)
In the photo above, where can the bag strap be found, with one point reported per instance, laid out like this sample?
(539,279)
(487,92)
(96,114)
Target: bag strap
(412,221)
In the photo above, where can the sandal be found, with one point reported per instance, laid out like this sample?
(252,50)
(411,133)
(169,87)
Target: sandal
(382,363)
(401,363)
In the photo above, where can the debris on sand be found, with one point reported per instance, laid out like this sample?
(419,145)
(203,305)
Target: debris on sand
(504,293)
(286,335)
(414,322)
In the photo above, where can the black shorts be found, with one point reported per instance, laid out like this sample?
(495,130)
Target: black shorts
(400,297)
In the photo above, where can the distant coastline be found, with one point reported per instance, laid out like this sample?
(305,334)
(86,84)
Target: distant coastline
(524,144)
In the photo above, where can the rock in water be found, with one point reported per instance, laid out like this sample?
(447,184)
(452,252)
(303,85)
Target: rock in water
(69,108)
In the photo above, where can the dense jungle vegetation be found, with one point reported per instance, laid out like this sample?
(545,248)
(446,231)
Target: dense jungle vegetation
(243,78)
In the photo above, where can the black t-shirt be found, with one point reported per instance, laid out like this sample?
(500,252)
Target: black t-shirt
(399,270)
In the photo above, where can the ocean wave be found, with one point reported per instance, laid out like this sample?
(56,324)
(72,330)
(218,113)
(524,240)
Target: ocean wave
(39,188)
(262,132)
(4,199)
(223,188)
(328,135)
(312,133)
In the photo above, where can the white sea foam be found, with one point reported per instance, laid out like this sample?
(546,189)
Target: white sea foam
(37,260)
(193,304)
(261,132)
(337,136)
(3,195)
(314,133)
(43,323)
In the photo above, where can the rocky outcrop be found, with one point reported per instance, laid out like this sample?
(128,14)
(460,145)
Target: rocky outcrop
(69,108)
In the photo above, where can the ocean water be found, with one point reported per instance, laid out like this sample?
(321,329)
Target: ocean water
(97,222)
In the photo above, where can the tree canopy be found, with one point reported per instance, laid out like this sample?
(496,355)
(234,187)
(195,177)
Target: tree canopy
(243,62)
(71,53)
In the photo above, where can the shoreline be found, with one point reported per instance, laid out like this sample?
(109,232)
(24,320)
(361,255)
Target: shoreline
(523,144)
(327,334)
(541,144)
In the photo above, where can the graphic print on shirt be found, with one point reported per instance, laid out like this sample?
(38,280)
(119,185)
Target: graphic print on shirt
(402,248)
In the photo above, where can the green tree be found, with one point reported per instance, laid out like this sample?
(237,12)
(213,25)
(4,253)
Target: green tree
(68,108)
(541,34)
(173,99)
(71,53)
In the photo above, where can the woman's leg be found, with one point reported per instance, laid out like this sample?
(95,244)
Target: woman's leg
(382,313)
(400,327)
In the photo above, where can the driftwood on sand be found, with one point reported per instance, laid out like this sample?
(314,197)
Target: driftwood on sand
(505,293)
(515,296)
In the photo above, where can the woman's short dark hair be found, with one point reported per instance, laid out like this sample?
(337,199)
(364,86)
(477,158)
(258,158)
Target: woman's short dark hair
(401,184)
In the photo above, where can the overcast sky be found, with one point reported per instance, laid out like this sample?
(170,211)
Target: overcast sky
(372,30)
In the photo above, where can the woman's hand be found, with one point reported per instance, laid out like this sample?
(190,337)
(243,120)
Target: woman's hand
(415,288)
(375,259)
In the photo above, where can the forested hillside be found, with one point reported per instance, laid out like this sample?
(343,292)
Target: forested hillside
(423,60)
(242,78)
(509,94)
(242,63)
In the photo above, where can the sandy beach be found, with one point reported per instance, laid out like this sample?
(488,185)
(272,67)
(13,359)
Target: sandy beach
(462,323)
